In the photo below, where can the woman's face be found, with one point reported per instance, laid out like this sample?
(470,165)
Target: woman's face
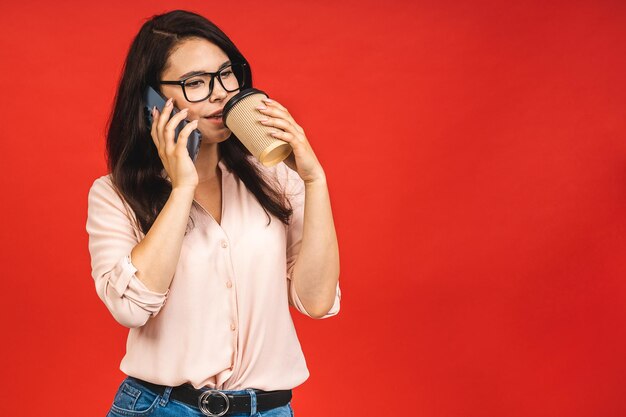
(198,55)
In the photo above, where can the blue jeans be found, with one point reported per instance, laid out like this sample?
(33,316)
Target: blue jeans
(134,400)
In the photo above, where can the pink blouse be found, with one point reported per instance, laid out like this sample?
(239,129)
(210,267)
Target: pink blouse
(224,323)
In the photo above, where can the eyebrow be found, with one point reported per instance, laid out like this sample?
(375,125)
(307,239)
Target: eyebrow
(196,72)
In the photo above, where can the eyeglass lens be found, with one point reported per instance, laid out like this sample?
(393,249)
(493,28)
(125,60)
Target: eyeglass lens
(199,87)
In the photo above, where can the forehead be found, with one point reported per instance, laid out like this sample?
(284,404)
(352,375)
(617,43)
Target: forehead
(194,54)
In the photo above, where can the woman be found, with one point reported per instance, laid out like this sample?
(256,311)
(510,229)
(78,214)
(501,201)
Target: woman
(201,260)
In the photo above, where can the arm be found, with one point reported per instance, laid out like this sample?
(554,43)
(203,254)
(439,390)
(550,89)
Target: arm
(313,274)
(157,255)
(118,259)
(313,253)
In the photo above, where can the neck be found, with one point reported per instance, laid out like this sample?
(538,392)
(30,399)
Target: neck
(206,162)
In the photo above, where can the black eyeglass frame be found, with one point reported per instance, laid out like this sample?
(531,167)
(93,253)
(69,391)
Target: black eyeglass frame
(212,82)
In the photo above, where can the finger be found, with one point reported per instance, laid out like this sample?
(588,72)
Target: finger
(166,139)
(286,127)
(297,126)
(275,103)
(167,110)
(183,136)
(153,128)
(176,119)
(279,123)
(298,142)
(282,113)
(170,129)
(287,137)
(159,132)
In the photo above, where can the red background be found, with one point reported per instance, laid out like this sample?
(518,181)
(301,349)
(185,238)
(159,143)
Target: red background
(477,167)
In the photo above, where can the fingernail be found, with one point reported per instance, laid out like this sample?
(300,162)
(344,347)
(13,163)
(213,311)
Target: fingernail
(267,99)
(261,107)
(184,110)
(169,101)
(264,119)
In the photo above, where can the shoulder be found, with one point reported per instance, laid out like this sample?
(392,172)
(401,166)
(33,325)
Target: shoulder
(103,184)
(106,202)
(104,193)
(102,187)
(103,181)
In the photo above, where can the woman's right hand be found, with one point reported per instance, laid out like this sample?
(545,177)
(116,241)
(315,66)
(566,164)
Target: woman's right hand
(174,155)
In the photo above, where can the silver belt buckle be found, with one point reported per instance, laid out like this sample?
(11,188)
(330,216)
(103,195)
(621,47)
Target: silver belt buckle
(204,399)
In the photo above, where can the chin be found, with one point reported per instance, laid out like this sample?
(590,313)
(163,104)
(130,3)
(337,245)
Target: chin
(215,138)
(212,142)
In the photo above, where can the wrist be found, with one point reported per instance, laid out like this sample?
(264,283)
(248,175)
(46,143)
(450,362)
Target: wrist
(315,181)
(318,177)
(187,192)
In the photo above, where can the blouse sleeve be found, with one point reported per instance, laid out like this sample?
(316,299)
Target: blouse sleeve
(111,239)
(295,192)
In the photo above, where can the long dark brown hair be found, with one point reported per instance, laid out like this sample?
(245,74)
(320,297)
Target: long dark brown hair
(135,166)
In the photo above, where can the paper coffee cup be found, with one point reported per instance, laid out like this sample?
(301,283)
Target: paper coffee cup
(240,116)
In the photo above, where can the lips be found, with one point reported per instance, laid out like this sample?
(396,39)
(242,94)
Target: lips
(216,114)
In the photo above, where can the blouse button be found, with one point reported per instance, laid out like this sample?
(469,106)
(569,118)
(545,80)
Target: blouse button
(229,284)
(224,244)
(233,327)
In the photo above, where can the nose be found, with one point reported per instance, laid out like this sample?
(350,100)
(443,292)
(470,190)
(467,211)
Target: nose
(218,93)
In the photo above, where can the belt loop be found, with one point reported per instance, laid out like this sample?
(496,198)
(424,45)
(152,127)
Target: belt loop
(252,401)
(166,396)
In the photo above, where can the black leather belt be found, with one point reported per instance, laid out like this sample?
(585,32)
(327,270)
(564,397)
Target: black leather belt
(218,403)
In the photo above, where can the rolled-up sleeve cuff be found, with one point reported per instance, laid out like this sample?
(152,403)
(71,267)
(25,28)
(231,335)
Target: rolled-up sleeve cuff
(126,284)
(295,300)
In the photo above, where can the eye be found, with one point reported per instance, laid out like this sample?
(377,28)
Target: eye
(194,83)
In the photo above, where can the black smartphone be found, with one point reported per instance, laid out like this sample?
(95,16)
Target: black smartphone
(154,98)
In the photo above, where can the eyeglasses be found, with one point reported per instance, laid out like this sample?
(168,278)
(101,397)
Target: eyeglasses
(199,87)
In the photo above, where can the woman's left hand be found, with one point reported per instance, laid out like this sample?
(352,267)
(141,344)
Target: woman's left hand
(302,159)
